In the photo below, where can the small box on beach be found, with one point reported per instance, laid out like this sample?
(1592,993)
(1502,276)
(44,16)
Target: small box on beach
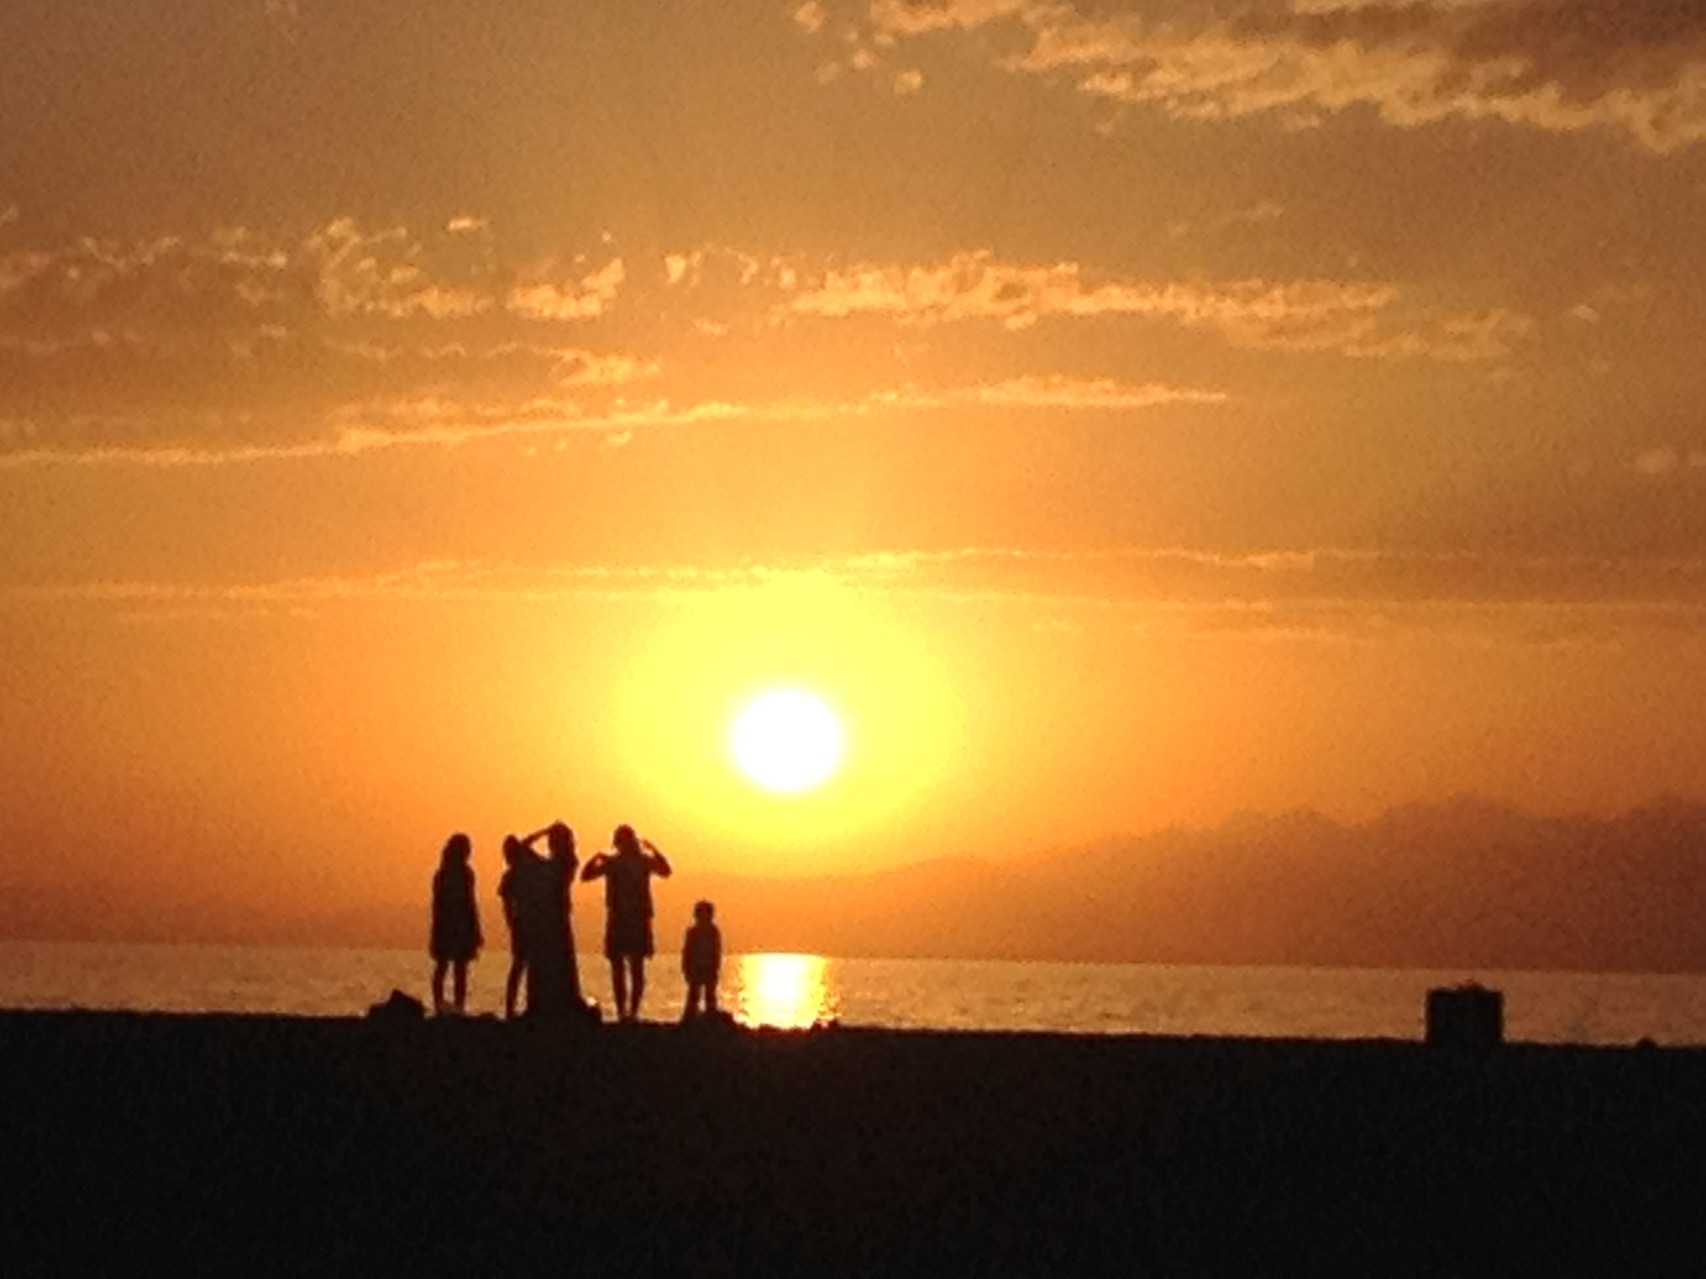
(1467,1016)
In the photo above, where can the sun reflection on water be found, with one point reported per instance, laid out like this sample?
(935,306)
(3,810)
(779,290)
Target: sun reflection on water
(789,992)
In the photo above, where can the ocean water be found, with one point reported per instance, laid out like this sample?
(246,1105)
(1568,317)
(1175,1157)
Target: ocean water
(800,990)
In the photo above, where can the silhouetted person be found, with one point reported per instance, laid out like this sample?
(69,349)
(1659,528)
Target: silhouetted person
(553,980)
(627,874)
(528,905)
(701,960)
(510,893)
(455,920)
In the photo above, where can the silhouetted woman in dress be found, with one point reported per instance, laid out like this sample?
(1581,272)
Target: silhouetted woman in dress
(455,921)
(553,979)
(627,874)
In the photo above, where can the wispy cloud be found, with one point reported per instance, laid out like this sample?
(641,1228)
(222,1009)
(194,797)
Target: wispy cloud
(1258,214)
(1319,593)
(916,17)
(237,276)
(1060,391)
(1370,320)
(810,16)
(449,421)
(1634,65)
(584,299)
(240,346)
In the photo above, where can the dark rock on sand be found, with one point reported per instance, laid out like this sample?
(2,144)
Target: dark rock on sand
(397,1008)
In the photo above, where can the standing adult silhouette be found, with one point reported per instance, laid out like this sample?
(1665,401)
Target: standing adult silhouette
(455,921)
(553,977)
(627,874)
(519,910)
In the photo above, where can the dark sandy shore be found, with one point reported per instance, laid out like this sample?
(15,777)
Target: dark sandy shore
(231,1144)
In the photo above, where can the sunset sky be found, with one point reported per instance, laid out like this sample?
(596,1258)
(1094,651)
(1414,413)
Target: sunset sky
(430,415)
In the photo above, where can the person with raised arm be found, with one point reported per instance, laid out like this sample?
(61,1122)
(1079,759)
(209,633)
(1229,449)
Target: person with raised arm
(512,893)
(553,977)
(627,874)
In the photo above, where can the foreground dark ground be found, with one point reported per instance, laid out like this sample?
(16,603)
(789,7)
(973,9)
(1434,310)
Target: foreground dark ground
(227,1144)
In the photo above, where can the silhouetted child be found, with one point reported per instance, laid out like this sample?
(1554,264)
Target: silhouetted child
(701,958)
(455,920)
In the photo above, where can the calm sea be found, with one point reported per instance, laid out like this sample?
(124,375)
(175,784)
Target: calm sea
(798,990)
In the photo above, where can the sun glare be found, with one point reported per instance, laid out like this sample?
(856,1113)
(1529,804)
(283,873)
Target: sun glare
(786,740)
(875,723)
(788,992)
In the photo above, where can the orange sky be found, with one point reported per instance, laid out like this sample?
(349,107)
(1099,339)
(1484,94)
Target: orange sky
(426,415)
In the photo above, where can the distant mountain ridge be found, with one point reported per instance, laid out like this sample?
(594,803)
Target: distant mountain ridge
(1467,884)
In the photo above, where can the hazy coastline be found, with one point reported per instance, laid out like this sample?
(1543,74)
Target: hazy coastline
(1466,884)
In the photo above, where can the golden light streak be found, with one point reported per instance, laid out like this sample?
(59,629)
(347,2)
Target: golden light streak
(788,992)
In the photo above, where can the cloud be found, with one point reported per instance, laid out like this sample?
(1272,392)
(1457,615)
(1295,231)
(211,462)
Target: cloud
(915,17)
(427,580)
(275,395)
(1356,319)
(1061,391)
(584,299)
(383,273)
(239,346)
(341,271)
(723,280)
(438,420)
(1563,65)
(810,16)
(448,419)
(161,286)
(242,346)
(1271,593)
(1263,211)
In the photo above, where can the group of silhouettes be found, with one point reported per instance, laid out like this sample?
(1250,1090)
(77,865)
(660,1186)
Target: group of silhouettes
(535,891)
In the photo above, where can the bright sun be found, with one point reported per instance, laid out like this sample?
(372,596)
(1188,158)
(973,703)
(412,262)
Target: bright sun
(786,740)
